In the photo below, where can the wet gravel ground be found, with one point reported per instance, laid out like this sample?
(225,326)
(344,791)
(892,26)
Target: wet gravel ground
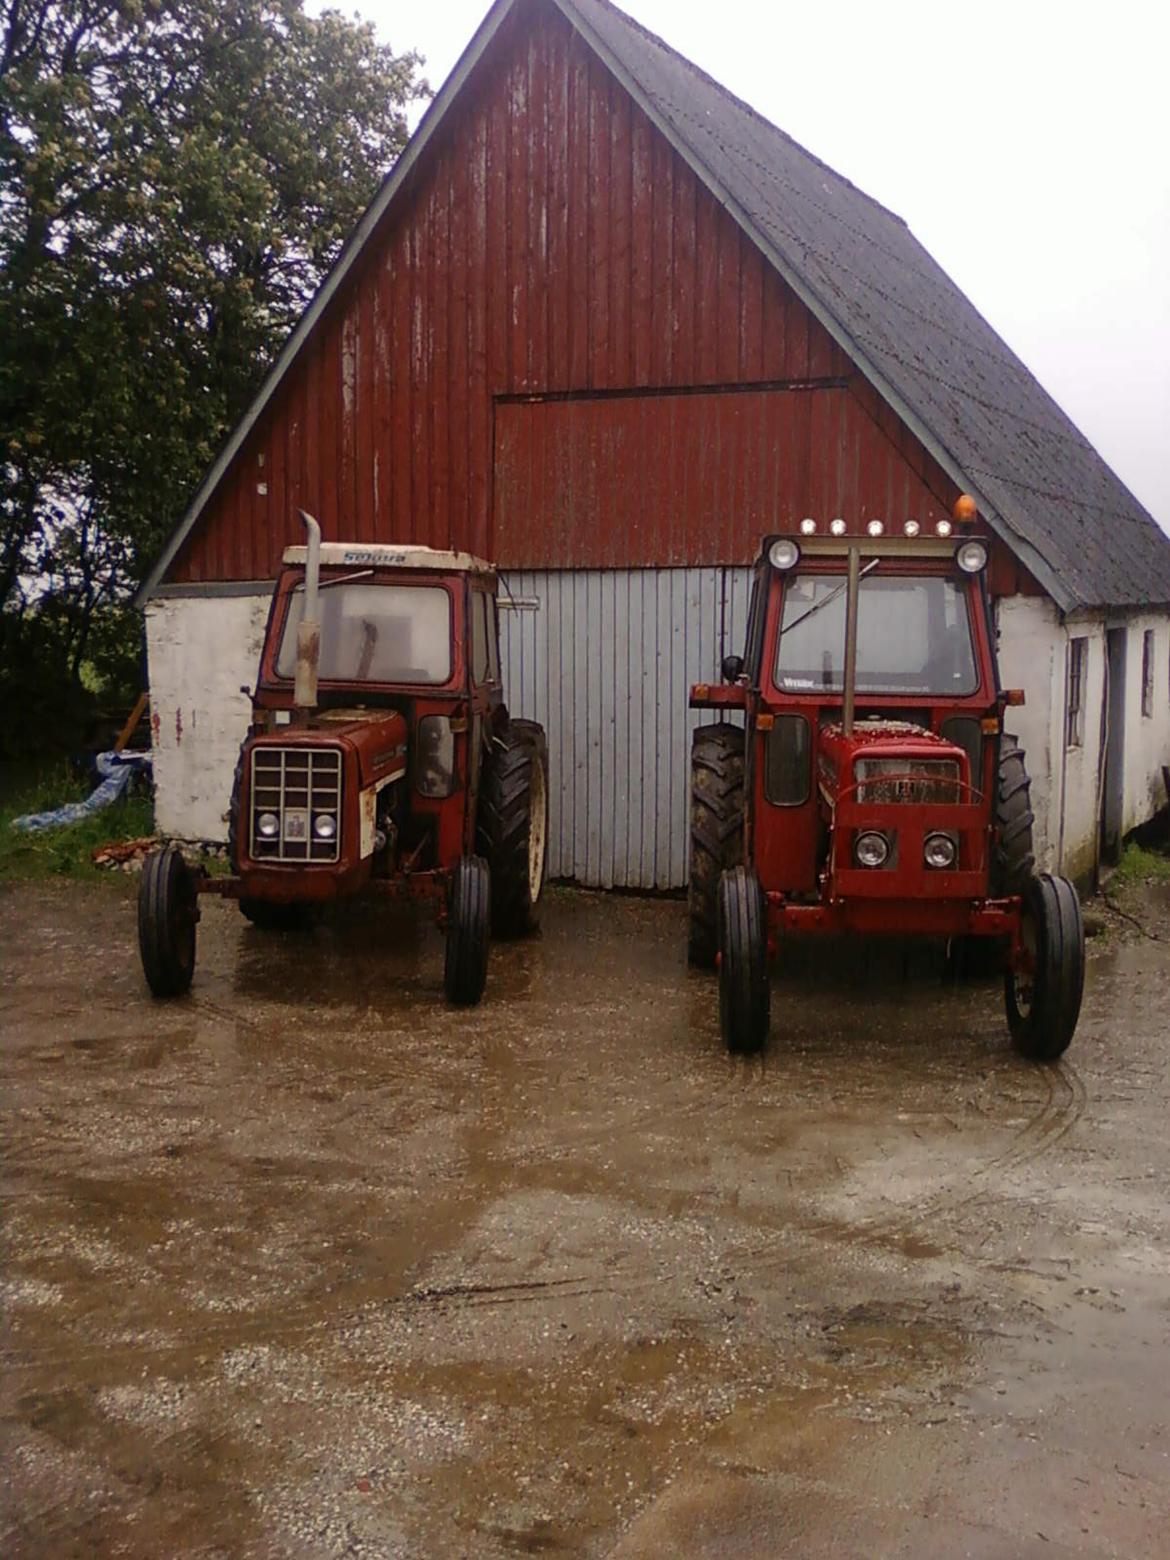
(308,1264)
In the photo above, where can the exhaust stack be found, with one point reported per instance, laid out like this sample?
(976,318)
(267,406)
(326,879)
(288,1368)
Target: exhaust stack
(309,628)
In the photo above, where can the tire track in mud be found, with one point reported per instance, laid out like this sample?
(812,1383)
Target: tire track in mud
(1060,1109)
(292,1322)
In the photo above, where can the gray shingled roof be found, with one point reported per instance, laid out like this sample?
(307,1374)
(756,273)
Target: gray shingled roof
(926,348)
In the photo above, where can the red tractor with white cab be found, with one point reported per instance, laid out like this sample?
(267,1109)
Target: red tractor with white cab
(381,760)
(870,788)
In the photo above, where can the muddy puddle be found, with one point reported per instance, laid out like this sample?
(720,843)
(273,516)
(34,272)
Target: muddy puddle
(309,1264)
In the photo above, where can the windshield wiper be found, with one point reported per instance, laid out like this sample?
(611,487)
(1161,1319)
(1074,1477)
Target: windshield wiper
(825,600)
(345,579)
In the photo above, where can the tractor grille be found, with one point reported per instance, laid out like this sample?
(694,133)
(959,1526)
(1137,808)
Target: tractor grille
(907,780)
(296,786)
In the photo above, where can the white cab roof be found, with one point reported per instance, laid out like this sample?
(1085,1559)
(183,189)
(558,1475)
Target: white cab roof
(386,555)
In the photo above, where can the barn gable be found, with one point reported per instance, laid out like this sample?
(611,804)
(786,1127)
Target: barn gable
(549,252)
(534,195)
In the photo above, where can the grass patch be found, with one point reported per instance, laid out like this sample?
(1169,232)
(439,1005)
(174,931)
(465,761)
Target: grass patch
(1138,865)
(68,851)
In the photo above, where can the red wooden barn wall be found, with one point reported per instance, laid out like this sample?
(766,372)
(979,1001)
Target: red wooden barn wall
(552,244)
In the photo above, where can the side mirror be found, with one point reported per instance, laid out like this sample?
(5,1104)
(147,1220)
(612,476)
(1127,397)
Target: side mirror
(732,667)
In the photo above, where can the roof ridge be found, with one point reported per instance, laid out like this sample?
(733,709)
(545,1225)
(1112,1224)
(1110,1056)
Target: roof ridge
(742,103)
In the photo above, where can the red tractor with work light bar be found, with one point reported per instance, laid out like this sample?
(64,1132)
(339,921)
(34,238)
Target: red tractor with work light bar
(871,788)
(381,760)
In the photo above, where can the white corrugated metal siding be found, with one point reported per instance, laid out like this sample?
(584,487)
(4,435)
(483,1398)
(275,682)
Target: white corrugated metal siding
(604,660)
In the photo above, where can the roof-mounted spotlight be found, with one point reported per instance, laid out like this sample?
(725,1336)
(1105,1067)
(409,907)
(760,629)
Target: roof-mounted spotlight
(784,554)
(808,528)
(837,527)
(911,528)
(944,528)
(971,557)
(875,528)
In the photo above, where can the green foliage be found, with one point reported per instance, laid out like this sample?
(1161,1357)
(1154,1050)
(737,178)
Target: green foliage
(176,177)
(1138,865)
(66,852)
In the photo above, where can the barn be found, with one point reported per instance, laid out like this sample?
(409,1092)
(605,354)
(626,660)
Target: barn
(606,325)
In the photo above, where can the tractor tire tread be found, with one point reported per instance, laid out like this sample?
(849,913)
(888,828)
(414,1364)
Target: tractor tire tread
(717,786)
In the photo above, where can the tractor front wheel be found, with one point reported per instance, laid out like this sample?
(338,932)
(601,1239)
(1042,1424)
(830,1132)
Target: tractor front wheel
(167,913)
(1043,998)
(468,931)
(744,997)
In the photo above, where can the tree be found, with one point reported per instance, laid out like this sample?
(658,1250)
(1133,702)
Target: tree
(176,177)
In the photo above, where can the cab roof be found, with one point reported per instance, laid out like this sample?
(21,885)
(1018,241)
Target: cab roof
(387,555)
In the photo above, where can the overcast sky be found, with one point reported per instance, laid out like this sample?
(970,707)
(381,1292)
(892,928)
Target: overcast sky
(1027,144)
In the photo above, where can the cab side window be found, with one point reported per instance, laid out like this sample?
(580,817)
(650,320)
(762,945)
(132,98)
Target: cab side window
(485,655)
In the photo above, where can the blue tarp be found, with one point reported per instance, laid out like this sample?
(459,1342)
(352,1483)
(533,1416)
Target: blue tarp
(116,769)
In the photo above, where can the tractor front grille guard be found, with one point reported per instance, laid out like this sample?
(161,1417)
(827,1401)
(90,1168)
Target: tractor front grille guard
(295,813)
(922,781)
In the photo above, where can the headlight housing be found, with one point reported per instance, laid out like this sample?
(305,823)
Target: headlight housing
(267,825)
(434,757)
(784,554)
(325,826)
(971,556)
(940,851)
(871,849)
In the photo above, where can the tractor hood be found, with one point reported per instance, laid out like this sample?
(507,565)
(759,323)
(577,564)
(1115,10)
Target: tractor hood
(377,737)
(892,760)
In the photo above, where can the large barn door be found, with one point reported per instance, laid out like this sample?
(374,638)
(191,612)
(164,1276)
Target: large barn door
(604,659)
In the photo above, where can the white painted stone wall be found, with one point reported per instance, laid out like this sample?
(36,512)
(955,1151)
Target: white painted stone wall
(1031,657)
(1082,774)
(1147,746)
(200,649)
(1067,781)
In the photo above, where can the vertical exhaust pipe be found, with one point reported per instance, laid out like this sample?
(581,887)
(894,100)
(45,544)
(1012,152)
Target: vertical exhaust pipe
(849,692)
(309,628)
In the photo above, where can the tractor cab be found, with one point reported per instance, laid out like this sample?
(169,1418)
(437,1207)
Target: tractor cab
(870,788)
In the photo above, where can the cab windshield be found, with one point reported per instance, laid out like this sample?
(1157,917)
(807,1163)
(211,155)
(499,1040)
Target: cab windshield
(913,636)
(374,633)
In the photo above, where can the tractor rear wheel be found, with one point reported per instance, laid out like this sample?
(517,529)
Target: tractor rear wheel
(717,766)
(512,826)
(744,996)
(468,931)
(167,913)
(1044,1001)
(1012,863)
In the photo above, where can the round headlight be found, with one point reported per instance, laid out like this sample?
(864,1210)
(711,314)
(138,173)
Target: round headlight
(971,557)
(939,851)
(871,850)
(784,554)
(268,826)
(325,826)
(837,527)
(943,527)
(911,528)
(875,528)
(808,528)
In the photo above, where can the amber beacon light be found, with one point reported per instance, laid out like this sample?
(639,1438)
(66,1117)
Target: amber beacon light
(965,510)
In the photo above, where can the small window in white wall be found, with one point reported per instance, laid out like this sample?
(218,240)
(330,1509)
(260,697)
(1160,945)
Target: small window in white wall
(1148,672)
(1074,724)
